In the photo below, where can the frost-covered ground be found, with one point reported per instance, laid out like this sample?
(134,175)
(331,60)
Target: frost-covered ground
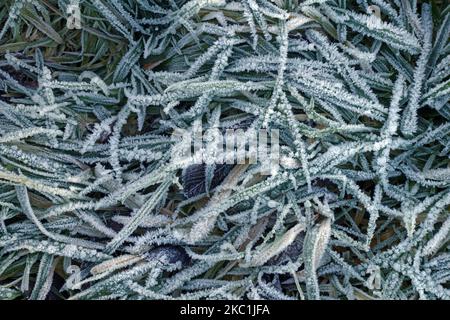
(93,205)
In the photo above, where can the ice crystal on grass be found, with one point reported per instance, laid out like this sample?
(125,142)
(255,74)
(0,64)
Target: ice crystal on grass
(91,192)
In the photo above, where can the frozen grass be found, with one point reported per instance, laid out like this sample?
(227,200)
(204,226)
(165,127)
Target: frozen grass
(92,207)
